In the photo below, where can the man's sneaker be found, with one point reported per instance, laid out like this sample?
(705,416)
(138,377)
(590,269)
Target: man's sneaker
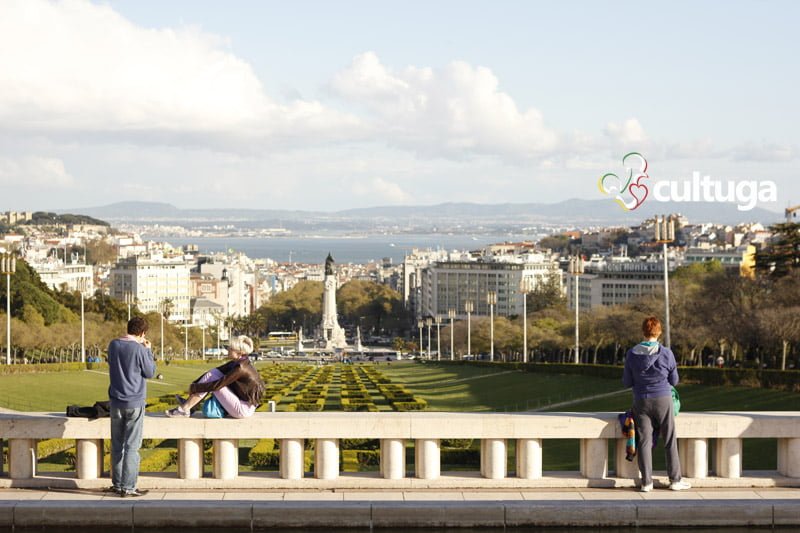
(177,412)
(646,488)
(113,489)
(133,493)
(680,485)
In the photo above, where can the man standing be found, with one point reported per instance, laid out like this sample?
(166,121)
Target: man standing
(130,363)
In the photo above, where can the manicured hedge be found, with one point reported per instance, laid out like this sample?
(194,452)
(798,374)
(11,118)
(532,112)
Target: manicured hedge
(417,405)
(49,367)
(159,460)
(46,448)
(745,377)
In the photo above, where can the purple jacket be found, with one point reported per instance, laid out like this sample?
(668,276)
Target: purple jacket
(650,369)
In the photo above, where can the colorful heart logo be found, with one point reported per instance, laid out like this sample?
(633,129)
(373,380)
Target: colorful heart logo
(629,193)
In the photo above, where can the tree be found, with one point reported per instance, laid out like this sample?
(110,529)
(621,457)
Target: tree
(546,295)
(782,254)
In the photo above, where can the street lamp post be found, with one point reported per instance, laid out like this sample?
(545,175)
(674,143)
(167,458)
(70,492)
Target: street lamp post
(420,323)
(452,314)
(186,340)
(203,333)
(576,269)
(429,323)
(525,286)
(438,337)
(83,333)
(491,299)
(8,266)
(665,234)
(161,315)
(468,308)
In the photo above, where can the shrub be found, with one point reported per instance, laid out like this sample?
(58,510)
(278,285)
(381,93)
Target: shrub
(261,455)
(417,405)
(360,444)
(461,444)
(456,457)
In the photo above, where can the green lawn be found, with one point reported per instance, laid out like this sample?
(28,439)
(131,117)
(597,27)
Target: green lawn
(53,392)
(445,388)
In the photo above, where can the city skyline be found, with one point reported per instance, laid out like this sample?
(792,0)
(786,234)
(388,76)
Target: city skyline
(361,105)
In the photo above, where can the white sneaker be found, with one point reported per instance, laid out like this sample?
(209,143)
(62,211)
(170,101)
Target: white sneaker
(680,485)
(646,488)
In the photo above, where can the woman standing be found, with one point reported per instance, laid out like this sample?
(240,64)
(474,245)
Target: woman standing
(651,370)
(236,384)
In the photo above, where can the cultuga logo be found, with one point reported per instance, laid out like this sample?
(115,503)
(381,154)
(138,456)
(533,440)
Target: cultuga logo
(632,190)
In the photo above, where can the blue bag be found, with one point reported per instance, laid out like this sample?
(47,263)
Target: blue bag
(213,409)
(676,402)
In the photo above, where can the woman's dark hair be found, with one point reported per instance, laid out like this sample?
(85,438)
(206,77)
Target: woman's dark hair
(137,326)
(651,327)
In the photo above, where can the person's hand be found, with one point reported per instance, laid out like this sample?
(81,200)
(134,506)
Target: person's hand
(146,343)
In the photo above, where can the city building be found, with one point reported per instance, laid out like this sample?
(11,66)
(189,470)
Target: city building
(75,276)
(613,282)
(741,259)
(150,281)
(14,217)
(450,284)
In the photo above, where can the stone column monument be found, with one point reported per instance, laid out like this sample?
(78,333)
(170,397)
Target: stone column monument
(332,332)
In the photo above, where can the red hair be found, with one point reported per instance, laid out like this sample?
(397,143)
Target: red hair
(651,327)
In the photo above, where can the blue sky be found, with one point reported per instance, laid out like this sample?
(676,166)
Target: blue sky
(330,105)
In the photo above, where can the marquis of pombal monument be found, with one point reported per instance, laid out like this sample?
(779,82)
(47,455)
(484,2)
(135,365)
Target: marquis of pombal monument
(332,332)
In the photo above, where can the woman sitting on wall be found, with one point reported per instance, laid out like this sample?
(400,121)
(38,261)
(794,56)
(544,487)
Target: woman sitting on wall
(236,385)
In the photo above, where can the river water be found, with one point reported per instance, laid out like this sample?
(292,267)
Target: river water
(357,249)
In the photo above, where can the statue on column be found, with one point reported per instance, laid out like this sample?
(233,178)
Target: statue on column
(332,332)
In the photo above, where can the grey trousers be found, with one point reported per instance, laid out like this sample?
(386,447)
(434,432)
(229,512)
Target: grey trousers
(649,413)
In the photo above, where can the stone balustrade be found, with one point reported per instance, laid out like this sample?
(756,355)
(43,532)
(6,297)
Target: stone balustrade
(531,431)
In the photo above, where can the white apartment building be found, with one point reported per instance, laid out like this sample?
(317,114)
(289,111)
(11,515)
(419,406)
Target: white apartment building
(238,287)
(72,276)
(615,283)
(150,281)
(450,284)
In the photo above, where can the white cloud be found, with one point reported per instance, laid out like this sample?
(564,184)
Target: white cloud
(764,151)
(78,66)
(381,190)
(627,133)
(456,111)
(34,172)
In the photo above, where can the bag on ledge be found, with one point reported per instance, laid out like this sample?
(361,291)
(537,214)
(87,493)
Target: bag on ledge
(213,409)
(676,402)
(98,410)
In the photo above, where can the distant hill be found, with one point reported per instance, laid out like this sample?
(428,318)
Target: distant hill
(573,211)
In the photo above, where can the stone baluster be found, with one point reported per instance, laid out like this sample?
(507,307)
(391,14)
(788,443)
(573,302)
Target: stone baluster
(393,458)
(594,458)
(494,458)
(226,458)
(789,457)
(694,457)
(623,468)
(728,458)
(292,459)
(89,458)
(326,459)
(427,458)
(190,458)
(21,458)
(529,458)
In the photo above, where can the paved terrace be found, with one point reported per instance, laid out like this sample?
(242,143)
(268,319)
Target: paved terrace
(724,494)
(258,510)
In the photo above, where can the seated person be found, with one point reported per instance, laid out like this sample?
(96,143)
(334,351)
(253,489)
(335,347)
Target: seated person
(236,384)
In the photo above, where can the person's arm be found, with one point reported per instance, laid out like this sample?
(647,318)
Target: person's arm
(627,374)
(673,378)
(212,386)
(148,363)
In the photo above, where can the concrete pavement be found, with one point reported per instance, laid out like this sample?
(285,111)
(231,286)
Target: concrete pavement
(248,510)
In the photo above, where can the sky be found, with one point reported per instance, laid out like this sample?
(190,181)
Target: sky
(334,105)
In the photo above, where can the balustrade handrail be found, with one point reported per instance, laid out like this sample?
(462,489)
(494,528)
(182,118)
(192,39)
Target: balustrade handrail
(395,429)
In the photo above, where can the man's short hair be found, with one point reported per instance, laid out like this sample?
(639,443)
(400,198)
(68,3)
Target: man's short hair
(651,327)
(137,326)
